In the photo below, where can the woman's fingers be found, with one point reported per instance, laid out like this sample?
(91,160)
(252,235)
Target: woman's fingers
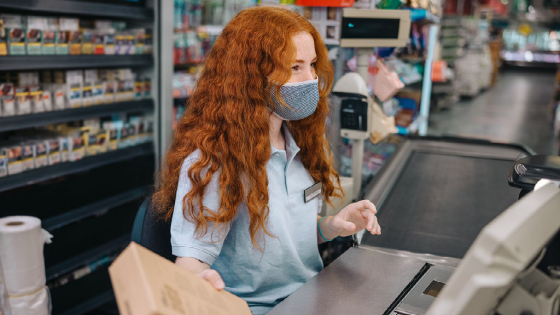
(368,211)
(213,277)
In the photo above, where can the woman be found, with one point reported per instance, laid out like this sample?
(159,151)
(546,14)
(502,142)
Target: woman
(245,152)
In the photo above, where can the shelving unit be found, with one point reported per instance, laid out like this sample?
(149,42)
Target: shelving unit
(79,8)
(67,115)
(55,62)
(119,178)
(55,171)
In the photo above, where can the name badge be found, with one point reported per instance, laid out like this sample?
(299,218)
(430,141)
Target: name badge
(313,192)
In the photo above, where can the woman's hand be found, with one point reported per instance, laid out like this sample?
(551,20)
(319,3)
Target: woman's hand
(202,270)
(353,218)
(213,277)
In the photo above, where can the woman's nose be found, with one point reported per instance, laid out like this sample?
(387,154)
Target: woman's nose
(310,75)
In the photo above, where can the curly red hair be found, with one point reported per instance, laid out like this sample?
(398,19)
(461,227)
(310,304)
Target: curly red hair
(227,120)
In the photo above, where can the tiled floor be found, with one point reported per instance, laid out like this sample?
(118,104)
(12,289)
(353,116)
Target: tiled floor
(515,110)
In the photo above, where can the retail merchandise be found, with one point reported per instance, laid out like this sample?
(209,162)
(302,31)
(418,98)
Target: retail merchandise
(38,35)
(31,149)
(141,279)
(25,93)
(21,252)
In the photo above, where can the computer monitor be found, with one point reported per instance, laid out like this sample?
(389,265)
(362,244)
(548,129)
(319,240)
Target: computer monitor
(374,28)
(503,253)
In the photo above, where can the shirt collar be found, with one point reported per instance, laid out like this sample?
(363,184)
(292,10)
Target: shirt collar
(291,147)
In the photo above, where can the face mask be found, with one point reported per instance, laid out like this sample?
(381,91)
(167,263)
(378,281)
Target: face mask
(302,97)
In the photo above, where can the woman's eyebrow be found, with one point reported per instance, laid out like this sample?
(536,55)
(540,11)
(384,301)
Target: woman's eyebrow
(302,61)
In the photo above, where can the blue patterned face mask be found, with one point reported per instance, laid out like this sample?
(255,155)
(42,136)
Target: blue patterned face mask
(301,97)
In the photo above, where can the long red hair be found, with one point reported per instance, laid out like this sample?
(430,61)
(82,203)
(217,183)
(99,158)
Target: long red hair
(227,120)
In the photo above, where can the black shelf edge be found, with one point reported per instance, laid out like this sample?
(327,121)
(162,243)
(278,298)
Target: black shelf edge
(54,171)
(91,304)
(86,258)
(66,115)
(51,62)
(80,8)
(93,209)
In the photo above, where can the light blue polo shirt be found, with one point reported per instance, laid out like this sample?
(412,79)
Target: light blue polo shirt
(289,261)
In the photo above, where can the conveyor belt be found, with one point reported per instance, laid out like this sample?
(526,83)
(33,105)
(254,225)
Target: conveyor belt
(435,196)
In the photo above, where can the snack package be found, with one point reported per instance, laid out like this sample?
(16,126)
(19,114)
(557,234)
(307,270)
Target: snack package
(102,141)
(147,88)
(3,52)
(87,95)
(62,47)
(130,43)
(75,39)
(121,44)
(139,41)
(74,95)
(27,156)
(7,100)
(98,42)
(41,154)
(110,92)
(98,93)
(34,38)
(109,40)
(47,101)
(49,36)
(3,162)
(77,149)
(138,90)
(23,102)
(53,149)
(87,42)
(15,165)
(36,97)
(16,41)
(64,144)
(148,42)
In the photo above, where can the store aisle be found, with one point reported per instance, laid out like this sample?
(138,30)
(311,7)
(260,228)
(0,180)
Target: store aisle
(514,110)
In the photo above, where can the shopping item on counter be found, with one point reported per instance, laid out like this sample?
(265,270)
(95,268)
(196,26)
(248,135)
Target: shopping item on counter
(21,253)
(145,283)
(387,83)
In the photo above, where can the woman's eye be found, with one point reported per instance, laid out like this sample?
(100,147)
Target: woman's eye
(313,65)
(295,68)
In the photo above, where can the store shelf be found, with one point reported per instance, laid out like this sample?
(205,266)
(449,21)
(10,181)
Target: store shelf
(93,209)
(186,66)
(79,8)
(52,62)
(87,258)
(91,304)
(61,116)
(50,172)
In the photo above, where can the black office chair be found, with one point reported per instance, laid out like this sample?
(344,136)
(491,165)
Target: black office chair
(152,232)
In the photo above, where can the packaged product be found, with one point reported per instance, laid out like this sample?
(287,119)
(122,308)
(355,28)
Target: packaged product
(87,41)
(41,154)
(74,95)
(87,94)
(47,100)
(36,97)
(110,91)
(148,42)
(23,102)
(121,44)
(99,42)
(98,93)
(27,156)
(77,149)
(7,100)
(3,49)
(139,89)
(53,153)
(3,162)
(15,165)
(64,144)
(49,36)
(34,38)
(102,141)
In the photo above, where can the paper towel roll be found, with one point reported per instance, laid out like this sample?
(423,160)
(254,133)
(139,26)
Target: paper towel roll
(21,253)
(37,303)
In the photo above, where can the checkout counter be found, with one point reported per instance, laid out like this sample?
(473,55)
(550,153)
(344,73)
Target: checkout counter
(501,273)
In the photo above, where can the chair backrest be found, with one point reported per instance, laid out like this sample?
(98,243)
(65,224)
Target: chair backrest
(152,232)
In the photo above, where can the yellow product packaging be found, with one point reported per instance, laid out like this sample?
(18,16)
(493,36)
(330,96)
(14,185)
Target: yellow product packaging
(102,139)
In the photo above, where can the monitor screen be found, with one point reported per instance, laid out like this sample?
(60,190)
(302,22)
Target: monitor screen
(370,28)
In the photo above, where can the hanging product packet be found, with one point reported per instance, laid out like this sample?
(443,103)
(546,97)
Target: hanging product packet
(387,83)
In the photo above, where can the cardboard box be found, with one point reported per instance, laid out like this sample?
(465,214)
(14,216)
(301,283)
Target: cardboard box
(49,36)
(87,94)
(64,149)
(77,149)
(62,43)
(34,39)
(147,284)
(110,89)
(87,42)
(7,100)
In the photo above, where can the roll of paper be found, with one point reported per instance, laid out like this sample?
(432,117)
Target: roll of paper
(21,253)
(37,303)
